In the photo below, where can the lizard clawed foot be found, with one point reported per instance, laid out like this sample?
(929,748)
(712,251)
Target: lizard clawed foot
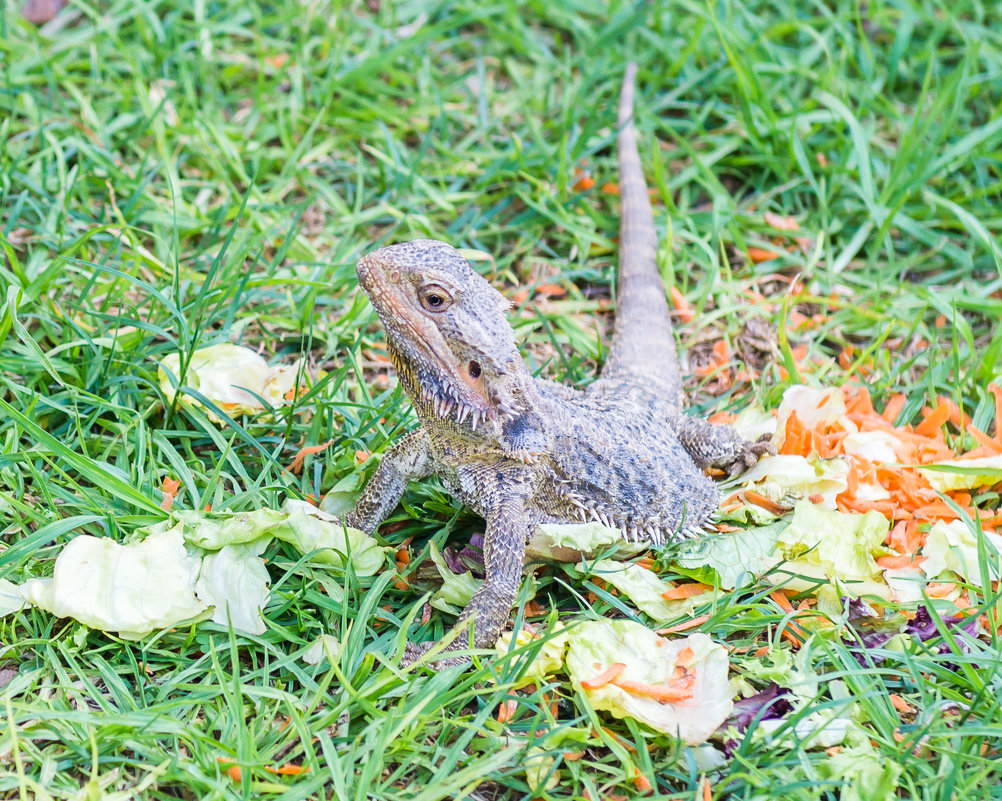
(748,455)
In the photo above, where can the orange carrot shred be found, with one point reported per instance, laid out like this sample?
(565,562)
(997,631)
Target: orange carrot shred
(706,789)
(288,769)
(684,591)
(894,407)
(899,703)
(996,390)
(296,465)
(766,503)
(990,445)
(905,560)
(676,691)
(758,255)
(682,306)
(699,620)
(641,782)
(940,590)
(780,598)
(932,421)
(604,677)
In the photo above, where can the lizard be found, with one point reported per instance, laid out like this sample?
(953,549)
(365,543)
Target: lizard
(521,450)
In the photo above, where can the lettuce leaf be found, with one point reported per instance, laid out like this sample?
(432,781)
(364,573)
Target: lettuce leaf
(569,542)
(235,582)
(644,588)
(596,645)
(234,378)
(132,589)
(953,546)
(958,474)
(833,544)
(735,557)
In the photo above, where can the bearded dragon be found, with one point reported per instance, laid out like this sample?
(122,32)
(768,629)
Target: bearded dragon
(521,450)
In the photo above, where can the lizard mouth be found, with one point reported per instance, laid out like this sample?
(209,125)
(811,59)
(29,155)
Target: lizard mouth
(436,377)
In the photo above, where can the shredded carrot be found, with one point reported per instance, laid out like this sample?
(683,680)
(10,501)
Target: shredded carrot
(665,693)
(893,408)
(990,446)
(933,420)
(684,657)
(683,591)
(957,416)
(604,677)
(940,590)
(641,782)
(573,756)
(893,562)
(899,703)
(766,503)
(706,789)
(170,488)
(506,710)
(682,306)
(552,290)
(288,769)
(996,391)
(689,624)
(758,255)
(780,598)
(296,465)
(610,188)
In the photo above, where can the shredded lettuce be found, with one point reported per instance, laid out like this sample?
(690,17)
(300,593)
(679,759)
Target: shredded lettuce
(644,588)
(953,546)
(130,589)
(649,659)
(234,378)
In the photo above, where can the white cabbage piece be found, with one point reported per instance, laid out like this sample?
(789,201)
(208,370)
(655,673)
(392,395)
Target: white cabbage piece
(783,476)
(549,659)
(308,529)
(326,646)
(953,546)
(839,545)
(10,598)
(234,378)
(878,446)
(649,659)
(964,473)
(130,589)
(235,582)
(569,542)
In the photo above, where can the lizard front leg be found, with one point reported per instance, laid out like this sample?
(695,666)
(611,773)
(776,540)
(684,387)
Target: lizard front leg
(715,445)
(508,529)
(407,459)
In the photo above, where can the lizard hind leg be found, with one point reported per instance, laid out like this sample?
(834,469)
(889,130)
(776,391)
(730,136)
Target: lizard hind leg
(714,445)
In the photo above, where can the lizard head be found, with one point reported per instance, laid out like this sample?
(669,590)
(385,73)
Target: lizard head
(447,332)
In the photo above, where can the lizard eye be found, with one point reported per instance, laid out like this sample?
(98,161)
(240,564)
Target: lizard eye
(434,298)
(474,370)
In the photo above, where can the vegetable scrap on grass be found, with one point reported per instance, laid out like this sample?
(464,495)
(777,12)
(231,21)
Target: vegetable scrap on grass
(854,517)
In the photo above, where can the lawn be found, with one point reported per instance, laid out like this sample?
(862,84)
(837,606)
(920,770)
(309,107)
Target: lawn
(175,176)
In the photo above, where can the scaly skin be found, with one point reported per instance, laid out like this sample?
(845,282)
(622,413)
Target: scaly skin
(523,451)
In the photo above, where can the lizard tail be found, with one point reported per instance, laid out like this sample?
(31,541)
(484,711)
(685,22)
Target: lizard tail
(643,348)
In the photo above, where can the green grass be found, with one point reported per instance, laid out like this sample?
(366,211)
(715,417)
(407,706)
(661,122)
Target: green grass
(175,176)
